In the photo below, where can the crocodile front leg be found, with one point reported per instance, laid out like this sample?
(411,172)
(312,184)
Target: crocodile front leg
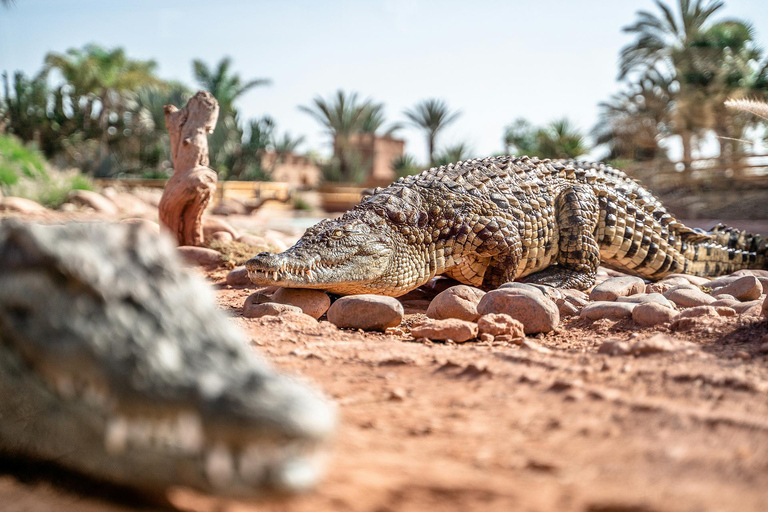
(577,210)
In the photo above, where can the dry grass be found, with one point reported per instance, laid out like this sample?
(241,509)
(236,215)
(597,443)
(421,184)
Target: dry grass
(236,253)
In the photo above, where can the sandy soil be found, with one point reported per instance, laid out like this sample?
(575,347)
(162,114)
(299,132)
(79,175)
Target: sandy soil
(499,427)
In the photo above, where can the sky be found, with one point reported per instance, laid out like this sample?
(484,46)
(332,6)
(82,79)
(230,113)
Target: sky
(495,61)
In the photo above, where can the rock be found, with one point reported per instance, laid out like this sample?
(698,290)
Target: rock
(268,309)
(657,344)
(129,204)
(456,302)
(752,312)
(581,296)
(743,288)
(657,288)
(211,225)
(765,307)
(275,240)
(644,298)
(259,297)
(146,223)
(724,311)
(689,297)
(536,312)
(614,348)
(222,236)
(93,200)
(20,205)
(312,302)
(238,276)
(534,347)
(751,272)
(652,313)
(200,255)
(678,281)
(230,207)
(744,306)
(699,311)
(610,310)
(614,287)
(694,280)
(297,320)
(729,303)
(447,329)
(721,281)
(253,241)
(499,323)
(567,309)
(520,286)
(367,312)
(764,283)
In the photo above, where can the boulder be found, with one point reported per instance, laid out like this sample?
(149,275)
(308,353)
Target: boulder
(456,302)
(312,302)
(444,330)
(536,312)
(367,312)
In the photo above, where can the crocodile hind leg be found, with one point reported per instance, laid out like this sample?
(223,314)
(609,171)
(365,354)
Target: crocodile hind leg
(577,212)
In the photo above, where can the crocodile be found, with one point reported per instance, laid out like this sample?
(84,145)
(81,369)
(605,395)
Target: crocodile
(116,365)
(485,222)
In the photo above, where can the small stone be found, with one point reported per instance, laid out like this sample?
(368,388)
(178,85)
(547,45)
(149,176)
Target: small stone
(721,281)
(765,307)
(200,255)
(93,200)
(694,280)
(257,298)
(238,276)
(514,285)
(657,344)
(657,288)
(614,287)
(297,321)
(486,338)
(222,236)
(614,348)
(536,312)
(643,298)
(499,323)
(743,288)
(535,347)
(268,309)
(567,309)
(211,225)
(456,302)
(253,241)
(20,205)
(699,311)
(725,311)
(367,312)
(689,297)
(144,223)
(447,329)
(652,313)
(312,302)
(678,282)
(743,355)
(611,310)
(741,307)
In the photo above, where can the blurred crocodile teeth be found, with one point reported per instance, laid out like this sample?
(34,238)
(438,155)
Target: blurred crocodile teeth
(181,433)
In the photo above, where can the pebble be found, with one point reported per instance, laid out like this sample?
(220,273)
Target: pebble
(297,320)
(238,276)
(20,205)
(520,286)
(253,241)
(268,309)
(536,312)
(652,313)
(566,308)
(614,287)
(222,236)
(367,312)
(199,255)
(657,288)
(259,297)
(657,344)
(93,200)
(605,309)
(446,329)
(644,298)
(699,311)
(211,225)
(743,288)
(679,281)
(765,307)
(721,281)
(147,224)
(497,324)
(744,306)
(456,302)
(694,280)
(312,302)
(689,297)
(613,348)
(729,303)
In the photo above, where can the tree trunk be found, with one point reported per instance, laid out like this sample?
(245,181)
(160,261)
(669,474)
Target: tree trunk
(687,138)
(192,184)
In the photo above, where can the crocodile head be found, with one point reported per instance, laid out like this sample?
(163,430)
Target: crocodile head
(356,253)
(116,364)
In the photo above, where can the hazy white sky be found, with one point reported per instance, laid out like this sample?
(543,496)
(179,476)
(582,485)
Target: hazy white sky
(493,60)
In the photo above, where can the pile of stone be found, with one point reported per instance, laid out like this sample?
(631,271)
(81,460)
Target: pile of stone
(462,313)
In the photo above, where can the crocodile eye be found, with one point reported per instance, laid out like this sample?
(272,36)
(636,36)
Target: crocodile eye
(337,233)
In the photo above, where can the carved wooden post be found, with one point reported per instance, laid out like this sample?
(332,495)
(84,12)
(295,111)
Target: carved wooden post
(192,184)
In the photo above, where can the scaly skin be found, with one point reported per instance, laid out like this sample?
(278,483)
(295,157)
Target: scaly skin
(115,363)
(490,221)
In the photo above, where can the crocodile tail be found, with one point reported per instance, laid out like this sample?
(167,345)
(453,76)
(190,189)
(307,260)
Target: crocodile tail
(723,250)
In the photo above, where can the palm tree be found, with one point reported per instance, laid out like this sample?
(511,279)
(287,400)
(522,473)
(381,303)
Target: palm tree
(342,116)
(667,41)
(452,154)
(520,138)
(561,139)
(432,116)
(374,120)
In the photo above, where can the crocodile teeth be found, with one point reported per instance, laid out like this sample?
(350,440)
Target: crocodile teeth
(219,466)
(274,275)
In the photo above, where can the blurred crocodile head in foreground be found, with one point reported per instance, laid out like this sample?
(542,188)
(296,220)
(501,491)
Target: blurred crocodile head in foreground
(115,363)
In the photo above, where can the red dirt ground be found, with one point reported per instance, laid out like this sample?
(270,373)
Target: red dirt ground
(434,427)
